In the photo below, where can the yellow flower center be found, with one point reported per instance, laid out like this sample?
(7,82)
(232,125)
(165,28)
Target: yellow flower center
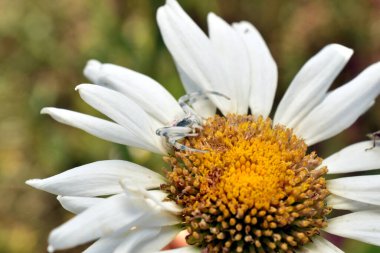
(255,190)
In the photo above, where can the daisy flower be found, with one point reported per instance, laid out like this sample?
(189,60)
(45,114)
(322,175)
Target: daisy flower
(237,181)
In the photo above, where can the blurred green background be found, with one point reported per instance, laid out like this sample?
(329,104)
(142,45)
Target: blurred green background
(45,44)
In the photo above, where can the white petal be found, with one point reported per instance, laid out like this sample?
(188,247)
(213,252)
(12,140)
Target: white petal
(341,107)
(360,188)
(232,50)
(105,244)
(156,198)
(104,219)
(188,249)
(193,53)
(341,203)
(310,85)
(320,245)
(136,237)
(123,111)
(78,204)
(263,70)
(122,239)
(144,91)
(354,158)
(159,218)
(165,236)
(164,212)
(363,226)
(98,178)
(98,127)
(162,202)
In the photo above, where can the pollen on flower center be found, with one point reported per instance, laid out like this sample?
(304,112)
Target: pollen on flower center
(256,190)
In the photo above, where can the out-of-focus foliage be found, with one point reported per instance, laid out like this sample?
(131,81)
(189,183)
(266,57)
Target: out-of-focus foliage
(45,44)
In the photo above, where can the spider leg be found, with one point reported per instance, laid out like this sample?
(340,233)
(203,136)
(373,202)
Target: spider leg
(374,141)
(374,136)
(197,126)
(189,99)
(193,97)
(179,146)
(173,131)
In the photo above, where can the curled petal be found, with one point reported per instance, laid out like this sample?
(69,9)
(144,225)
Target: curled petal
(363,226)
(263,69)
(143,90)
(341,203)
(310,85)
(122,110)
(78,204)
(320,245)
(97,179)
(341,107)
(364,189)
(100,128)
(354,158)
(101,220)
(193,53)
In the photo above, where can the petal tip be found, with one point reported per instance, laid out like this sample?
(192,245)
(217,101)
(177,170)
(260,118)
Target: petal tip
(211,15)
(215,20)
(45,110)
(92,70)
(160,15)
(93,63)
(34,183)
(342,50)
(170,2)
(50,249)
(81,87)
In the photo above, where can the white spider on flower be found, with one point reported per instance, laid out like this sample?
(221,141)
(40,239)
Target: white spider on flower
(188,125)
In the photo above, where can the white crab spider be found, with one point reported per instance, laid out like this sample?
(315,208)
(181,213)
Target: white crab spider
(186,126)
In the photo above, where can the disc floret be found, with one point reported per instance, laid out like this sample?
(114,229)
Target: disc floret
(256,190)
